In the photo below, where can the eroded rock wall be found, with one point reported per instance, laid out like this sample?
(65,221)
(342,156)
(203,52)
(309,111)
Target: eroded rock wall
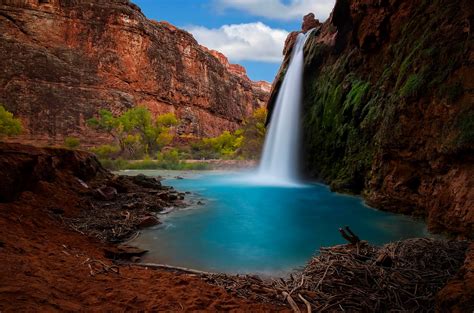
(389,106)
(63,60)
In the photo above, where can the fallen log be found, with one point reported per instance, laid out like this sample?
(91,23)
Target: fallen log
(170,267)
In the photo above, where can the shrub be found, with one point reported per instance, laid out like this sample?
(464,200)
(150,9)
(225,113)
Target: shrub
(114,165)
(105,151)
(9,125)
(72,142)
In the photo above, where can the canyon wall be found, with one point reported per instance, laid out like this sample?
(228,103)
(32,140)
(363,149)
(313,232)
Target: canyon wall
(63,60)
(389,106)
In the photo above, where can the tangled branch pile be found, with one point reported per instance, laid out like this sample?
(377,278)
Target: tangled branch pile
(116,208)
(400,276)
(108,222)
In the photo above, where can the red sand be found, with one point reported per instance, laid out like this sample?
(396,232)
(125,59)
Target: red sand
(44,268)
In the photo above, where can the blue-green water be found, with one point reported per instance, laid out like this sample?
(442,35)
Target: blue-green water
(249,228)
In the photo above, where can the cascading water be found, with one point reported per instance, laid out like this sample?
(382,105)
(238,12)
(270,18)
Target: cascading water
(280,152)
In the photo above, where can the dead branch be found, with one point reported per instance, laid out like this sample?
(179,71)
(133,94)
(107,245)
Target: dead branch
(291,302)
(306,302)
(349,236)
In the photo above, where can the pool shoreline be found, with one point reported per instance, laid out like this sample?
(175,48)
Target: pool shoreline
(172,216)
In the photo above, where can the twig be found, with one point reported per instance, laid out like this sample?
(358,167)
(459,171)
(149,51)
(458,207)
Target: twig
(306,302)
(291,302)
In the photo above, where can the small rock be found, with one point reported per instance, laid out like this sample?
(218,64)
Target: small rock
(173,197)
(164,196)
(123,252)
(146,181)
(106,193)
(200,203)
(135,259)
(179,177)
(187,192)
(121,183)
(157,207)
(130,206)
(148,222)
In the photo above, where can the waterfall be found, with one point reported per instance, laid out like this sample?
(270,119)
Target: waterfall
(279,163)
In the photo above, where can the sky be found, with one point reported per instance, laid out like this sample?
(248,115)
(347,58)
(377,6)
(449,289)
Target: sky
(249,32)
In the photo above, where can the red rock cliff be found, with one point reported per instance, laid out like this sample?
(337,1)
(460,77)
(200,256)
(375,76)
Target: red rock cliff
(63,60)
(389,106)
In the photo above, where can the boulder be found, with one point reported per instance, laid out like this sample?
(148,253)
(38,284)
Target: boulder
(146,181)
(148,221)
(309,22)
(106,193)
(123,252)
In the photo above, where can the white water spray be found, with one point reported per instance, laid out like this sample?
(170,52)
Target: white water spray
(279,162)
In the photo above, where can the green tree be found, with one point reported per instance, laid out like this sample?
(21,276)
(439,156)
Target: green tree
(253,134)
(246,142)
(106,122)
(136,128)
(155,134)
(9,125)
(225,145)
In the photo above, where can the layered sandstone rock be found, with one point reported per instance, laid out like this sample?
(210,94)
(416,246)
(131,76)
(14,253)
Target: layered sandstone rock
(309,22)
(388,106)
(64,60)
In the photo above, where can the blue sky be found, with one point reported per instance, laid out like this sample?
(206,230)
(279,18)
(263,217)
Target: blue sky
(248,32)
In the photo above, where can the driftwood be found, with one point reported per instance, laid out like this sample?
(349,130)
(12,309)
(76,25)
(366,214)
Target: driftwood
(173,268)
(349,278)
(306,302)
(98,267)
(403,276)
(349,236)
(291,302)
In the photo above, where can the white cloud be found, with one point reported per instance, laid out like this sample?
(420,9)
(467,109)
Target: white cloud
(278,9)
(239,42)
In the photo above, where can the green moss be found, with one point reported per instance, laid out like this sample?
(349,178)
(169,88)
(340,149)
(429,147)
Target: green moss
(407,64)
(466,129)
(413,86)
(386,74)
(355,96)
(335,144)
(352,110)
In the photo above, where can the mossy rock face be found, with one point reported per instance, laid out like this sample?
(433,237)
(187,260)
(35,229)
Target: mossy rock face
(357,103)
(466,129)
